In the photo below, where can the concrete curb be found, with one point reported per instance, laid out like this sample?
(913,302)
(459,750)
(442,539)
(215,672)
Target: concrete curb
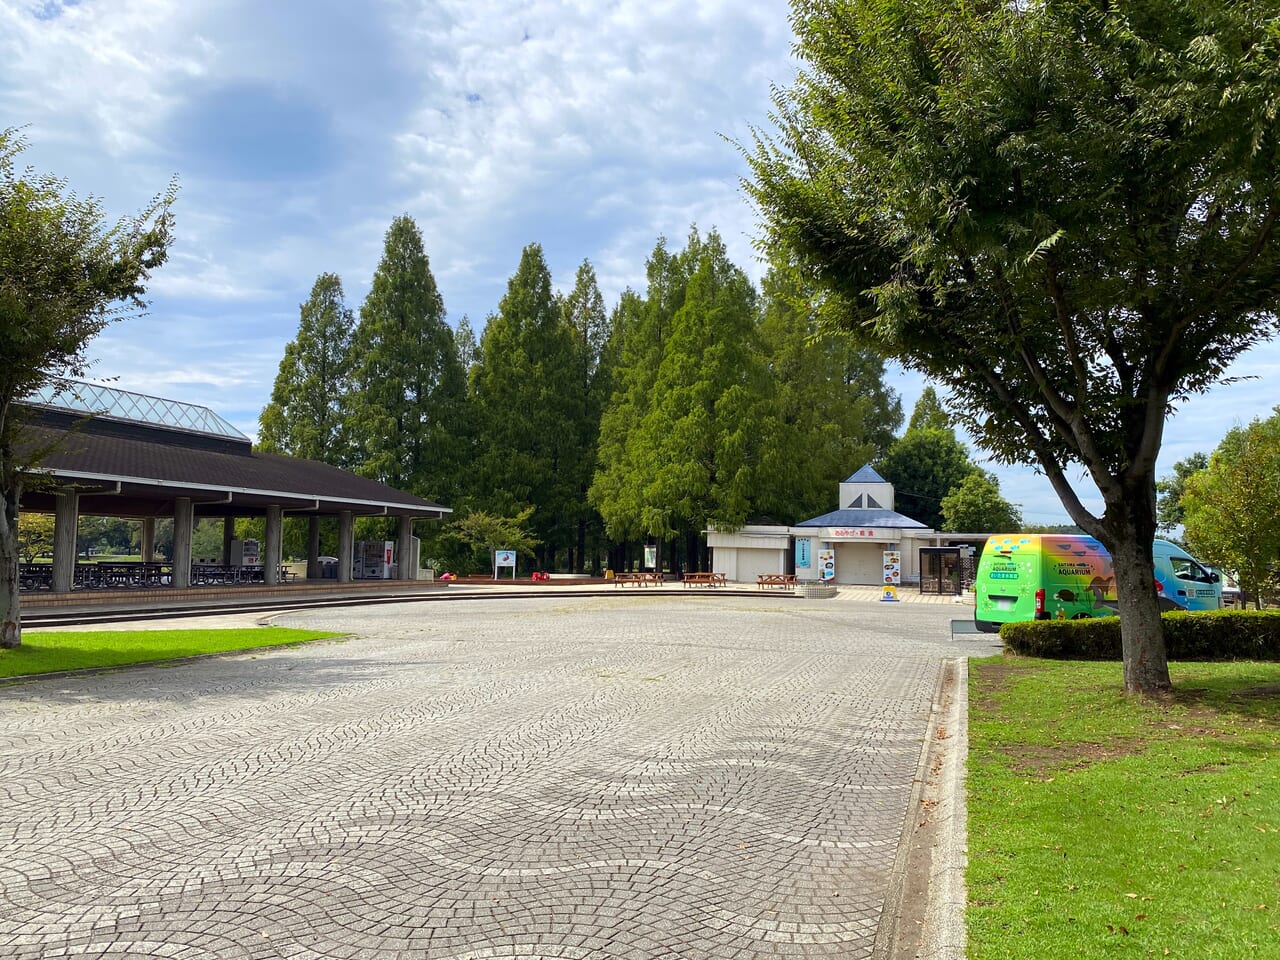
(923,916)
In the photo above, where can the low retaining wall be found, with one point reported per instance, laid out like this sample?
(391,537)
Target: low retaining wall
(814,590)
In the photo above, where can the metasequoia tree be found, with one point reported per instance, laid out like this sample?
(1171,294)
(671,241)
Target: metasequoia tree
(1063,211)
(304,417)
(65,274)
(408,386)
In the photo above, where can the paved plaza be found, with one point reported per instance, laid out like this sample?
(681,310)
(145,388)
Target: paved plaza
(613,776)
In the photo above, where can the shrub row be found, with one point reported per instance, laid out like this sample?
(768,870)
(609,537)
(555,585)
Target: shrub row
(1207,635)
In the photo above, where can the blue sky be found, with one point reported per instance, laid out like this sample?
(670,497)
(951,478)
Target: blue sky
(299,129)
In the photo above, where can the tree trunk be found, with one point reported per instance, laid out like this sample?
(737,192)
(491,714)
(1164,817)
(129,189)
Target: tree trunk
(1146,666)
(10,614)
(580,565)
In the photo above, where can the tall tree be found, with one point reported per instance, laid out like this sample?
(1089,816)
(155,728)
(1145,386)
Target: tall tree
(680,443)
(928,413)
(304,417)
(925,467)
(1232,507)
(976,506)
(830,411)
(65,274)
(1064,212)
(632,353)
(528,401)
(464,337)
(1170,490)
(585,315)
(407,410)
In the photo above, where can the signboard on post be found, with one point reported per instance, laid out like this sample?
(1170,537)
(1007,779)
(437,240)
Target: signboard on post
(892,575)
(650,556)
(504,558)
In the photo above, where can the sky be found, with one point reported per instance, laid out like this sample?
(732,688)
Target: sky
(298,129)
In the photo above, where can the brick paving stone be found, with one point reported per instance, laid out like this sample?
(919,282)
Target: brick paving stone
(575,778)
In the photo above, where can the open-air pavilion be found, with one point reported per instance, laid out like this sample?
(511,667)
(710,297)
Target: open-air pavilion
(114,453)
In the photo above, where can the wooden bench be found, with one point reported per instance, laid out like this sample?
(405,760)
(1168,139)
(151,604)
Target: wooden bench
(784,581)
(704,579)
(644,578)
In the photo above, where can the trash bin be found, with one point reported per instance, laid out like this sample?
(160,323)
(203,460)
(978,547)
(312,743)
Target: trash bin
(328,568)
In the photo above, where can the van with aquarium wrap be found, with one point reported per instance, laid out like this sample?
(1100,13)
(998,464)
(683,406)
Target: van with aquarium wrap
(1071,577)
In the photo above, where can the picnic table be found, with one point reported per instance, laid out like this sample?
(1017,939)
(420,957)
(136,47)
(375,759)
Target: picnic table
(784,581)
(704,579)
(644,578)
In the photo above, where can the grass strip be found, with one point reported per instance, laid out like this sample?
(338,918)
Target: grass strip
(1103,825)
(73,650)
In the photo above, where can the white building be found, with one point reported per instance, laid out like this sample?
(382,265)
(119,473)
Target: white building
(849,542)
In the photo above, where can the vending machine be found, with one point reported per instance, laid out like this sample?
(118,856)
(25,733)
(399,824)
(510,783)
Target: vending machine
(374,560)
(245,553)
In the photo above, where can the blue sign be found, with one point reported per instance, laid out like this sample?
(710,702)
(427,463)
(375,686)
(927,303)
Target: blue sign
(803,547)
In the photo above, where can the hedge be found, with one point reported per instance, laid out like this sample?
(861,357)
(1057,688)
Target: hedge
(1206,635)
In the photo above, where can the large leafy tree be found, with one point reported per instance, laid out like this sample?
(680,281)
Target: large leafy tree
(1169,510)
(977,506)
(407,409)
(304,417)
(530,402)
(1064,211)
(642,327)
(925,467)
(65,274)
(681,444)
(1232,507)
(830,411)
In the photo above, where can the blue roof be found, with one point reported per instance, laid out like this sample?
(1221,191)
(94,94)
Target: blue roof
(864,518)
(866,475)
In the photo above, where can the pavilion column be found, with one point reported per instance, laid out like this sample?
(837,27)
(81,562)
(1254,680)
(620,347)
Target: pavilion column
(183,517)
(346,545)
(313,548)
(147,540)
(66,518)
(228,534)
(271,550)
(408,560)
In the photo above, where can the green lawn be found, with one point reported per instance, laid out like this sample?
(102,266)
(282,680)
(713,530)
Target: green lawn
(1107,826)
(49,652)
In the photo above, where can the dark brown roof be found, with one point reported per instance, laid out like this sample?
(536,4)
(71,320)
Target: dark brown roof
(131,469)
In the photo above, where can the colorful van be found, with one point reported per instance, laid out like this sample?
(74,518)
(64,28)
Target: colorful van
(1070,577)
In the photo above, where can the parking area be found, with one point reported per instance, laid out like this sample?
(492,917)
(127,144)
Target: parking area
(616,776)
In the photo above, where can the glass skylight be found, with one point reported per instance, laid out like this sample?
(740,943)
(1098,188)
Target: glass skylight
(93,398)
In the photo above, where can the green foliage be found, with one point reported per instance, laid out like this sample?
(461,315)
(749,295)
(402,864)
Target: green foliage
(1063,213)
(683,433)
(976,506)
(483,531)
(829,409)
(1169,490)
(1102,825)
(65,274)
(407,410)
(533,407)
(928,413)
(1200,635)
(304,418)
(1232,507)
(35,535)
(925,466)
